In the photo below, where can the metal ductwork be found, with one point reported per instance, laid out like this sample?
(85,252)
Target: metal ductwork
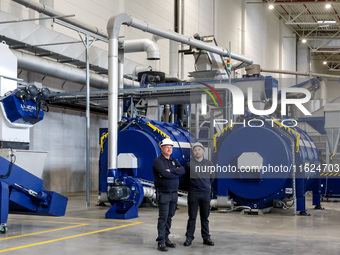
(67,72)
(54,69)
(113,29)
(147,45)
(61,71)
(116,21)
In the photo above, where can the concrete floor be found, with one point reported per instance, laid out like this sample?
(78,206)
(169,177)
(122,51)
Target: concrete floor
(86,231)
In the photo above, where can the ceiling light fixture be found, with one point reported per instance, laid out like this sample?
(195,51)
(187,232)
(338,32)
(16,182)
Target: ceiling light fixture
(327,6)
(271,7)
(324,62)
(303,40)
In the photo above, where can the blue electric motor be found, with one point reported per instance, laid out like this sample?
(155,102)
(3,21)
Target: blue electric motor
(141,137)
(277,150)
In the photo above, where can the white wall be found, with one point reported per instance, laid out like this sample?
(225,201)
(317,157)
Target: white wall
(252,30)
(269,43)
(62,135)
(266,40)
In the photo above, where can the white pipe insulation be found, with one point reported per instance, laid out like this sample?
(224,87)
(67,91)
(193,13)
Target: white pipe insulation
(51,68)
(54,69)
(139,45)
(113,29)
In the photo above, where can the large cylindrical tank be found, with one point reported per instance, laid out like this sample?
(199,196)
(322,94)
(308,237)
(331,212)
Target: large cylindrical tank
(272,148)
(142,138)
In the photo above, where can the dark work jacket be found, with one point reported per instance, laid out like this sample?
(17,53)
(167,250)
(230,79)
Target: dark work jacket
(166,181)
(196,178)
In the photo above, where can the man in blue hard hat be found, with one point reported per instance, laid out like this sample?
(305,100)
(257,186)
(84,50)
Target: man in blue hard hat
(166,172)
(199,180)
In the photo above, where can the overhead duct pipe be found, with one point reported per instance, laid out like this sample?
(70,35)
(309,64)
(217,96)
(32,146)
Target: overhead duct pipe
(147,45)
(113,29)
(144,26)
(54,69)
(141,45)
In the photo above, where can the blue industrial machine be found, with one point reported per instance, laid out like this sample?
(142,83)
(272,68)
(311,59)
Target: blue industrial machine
(141,138)
(21,191)
(330,185)
(23,106)
(253,141)
(281,158)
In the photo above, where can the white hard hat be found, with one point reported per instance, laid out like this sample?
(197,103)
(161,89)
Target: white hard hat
(167,141)
(198,144)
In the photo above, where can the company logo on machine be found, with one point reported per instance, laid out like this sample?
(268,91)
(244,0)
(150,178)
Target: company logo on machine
(28,107)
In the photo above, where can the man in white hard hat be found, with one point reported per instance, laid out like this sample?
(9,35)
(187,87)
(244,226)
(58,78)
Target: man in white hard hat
(166,171)
(199,179)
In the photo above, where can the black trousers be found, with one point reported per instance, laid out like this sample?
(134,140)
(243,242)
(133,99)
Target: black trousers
(167,204)
(199,200)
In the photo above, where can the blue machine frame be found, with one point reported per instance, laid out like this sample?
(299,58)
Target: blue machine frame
(23,193)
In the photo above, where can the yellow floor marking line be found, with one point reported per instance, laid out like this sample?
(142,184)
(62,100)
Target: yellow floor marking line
(46,231)
(74,218)
(130,221)
(69,237)
(46,221)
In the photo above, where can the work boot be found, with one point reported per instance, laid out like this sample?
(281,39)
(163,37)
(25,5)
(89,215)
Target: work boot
(208,242)
(187,242)
(170,244)
(162,247)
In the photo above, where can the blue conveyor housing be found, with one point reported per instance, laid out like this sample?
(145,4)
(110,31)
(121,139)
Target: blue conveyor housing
(23,193)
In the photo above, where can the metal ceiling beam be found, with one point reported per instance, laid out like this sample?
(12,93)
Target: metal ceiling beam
(323,38)
(311,23)
(315,14)
(326,51)
(312,28)
(313,2)
(330,61)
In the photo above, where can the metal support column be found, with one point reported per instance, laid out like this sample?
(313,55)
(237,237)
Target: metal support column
(87,45)
(87,123)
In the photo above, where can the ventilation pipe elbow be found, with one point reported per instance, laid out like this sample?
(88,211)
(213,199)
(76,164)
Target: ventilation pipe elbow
(115,22)
(147,45)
